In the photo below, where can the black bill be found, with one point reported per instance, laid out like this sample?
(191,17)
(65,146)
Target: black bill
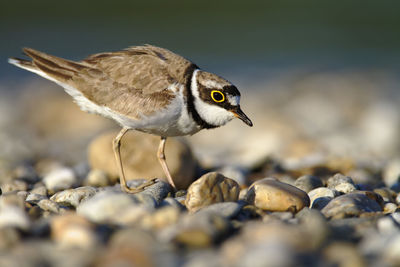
(240,114)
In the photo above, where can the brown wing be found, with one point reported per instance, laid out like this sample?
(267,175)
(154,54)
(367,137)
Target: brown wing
(122,81)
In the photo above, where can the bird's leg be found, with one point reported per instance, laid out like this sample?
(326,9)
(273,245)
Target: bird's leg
(117,153)
(161,159)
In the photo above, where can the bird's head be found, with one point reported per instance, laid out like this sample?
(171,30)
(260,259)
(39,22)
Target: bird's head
(216,100)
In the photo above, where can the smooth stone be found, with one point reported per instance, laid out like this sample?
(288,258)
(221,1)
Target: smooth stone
(343,254)
(391,172)
(34,198)
(308,183)
(159,191)
(387,194)
(211,188)
(350,205)
(14,185)
(321,192)
(72,230)
(227,210)
(345,188)
(73,197)
(12,199)
(170,201)
(60,179)
(337,179)
(9,237)
(39,189)
(106,206)
(314,223)
(13,216)
(199,230)
(139,156)
(235,173)
(256,238)
(387,225)
(97,178)
(130,247)
(48,205)
(391,254)
(161,218)
(272,195)
(320,203)
(389,208)
(396,217)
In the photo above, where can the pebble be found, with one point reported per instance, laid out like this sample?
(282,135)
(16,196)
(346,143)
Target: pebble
(139,155)
(161,218)
(106,206)
(9,237)
(73,197)
(387,225)
(211,188)
(314,223)
(13,216)
(157,191)
(60,179)
(389,208)
(345,188)
(14,185)
(235,173)
(97,178)
(39,189)
(199,230)
(308,183)
(72,230)
(12,199)
(272,195)
(338,178)
(391,172)
(48,205)
(34,198)
(387,194)
(350,205)
(322,192)
(343,254)
(227,210)
(391,254)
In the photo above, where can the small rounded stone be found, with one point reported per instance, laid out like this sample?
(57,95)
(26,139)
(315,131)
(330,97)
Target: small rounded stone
(321,192)
(211,188)
(272,195)
(72,230)
(308,183)
(60,179)
(338,179)
(345,188)
(97,178)
(73,197)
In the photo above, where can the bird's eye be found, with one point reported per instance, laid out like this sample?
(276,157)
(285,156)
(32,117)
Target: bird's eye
(217,96)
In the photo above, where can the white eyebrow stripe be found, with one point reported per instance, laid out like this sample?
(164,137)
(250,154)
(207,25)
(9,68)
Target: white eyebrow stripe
(233,100)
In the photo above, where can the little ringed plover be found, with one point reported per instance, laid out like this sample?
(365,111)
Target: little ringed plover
(144,88)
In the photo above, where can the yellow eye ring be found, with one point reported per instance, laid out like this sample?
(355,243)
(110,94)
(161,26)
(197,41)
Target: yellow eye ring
(217,96)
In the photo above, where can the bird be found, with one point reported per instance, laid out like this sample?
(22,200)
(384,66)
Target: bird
(144,88)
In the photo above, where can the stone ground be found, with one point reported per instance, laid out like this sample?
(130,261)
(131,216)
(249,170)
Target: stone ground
(314,183)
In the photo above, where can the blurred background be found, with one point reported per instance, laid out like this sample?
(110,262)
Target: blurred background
(319,79)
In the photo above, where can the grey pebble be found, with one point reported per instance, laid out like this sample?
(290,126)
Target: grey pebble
(158,191)
(60,179)
(337,179)
(308,183)
(350,205)
(225,209)
(107,206)
(73,197)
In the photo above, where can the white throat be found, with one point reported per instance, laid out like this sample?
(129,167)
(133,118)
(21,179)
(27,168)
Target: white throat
(212,114)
